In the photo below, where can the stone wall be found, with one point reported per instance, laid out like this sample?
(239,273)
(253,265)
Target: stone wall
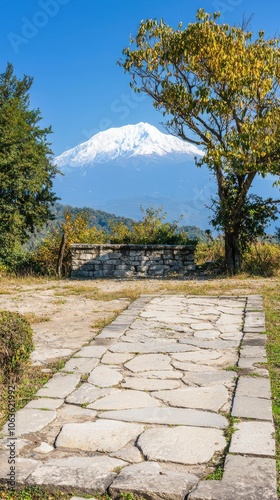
(126,261)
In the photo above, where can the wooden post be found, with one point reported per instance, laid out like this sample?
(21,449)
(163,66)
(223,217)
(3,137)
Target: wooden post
(61,254)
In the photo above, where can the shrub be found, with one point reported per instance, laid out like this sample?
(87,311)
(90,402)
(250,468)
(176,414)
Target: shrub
(151,230)
(262,258)
(211,253)
(16,343)
(77,230)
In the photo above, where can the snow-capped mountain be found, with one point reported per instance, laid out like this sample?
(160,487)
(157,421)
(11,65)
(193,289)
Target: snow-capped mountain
(128,143)
(123,168)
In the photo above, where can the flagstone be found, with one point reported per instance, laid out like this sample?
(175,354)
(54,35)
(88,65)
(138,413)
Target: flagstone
(87,393)
(253,438)
(114,358)
(103,435)
(162,374)
(150,478)
(169,416)
(80,365)
(103,376)
(143,384)
(206,398)
(31,420)
(86,474)
(210,378)
(60,385)
(197,445)
(147,362)
(124,399)
(91,351)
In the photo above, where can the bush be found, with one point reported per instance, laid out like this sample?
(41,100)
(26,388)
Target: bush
(77,230)
(211,254)
(262,258)
(151,230)
(16,343)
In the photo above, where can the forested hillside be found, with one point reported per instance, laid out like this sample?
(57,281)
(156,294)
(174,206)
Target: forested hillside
(99,219)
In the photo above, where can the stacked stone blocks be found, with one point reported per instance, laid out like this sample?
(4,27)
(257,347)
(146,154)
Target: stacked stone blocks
(128,261)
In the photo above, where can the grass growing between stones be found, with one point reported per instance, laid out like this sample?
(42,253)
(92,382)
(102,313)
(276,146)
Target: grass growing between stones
(32,379)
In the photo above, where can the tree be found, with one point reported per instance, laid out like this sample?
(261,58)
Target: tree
(26,169)
(150,230)
(220,89)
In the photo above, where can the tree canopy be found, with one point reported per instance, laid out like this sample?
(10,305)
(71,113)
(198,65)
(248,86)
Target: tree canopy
(26,168)
(219,88)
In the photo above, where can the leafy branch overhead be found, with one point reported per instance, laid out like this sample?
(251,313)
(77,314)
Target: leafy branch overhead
(219,88)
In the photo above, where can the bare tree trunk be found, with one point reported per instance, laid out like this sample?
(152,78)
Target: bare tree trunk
(232,252)
(60,255)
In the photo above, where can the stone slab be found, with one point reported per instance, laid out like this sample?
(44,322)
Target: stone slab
(197,445)
(247,407)
(24,467)
(144,384)
(255,387)
(160,375)
(60,385)
(253,438)
(91,351)
(103,435)
(253,365)
(80,365)
(45,404)
(124,399)
(102,376)
(73,413)
(129,453)
(205,398)
(87,393)
(31,420)
(210,378)
(169,416)
(188,366)
(150,480)
(245,478)
(113,358)
(208,357)
(148,347)
(44,448)
(147,362)
(222,490)
(253,352)
(88,474)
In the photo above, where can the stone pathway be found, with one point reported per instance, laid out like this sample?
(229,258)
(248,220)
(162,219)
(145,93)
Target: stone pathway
(145,407)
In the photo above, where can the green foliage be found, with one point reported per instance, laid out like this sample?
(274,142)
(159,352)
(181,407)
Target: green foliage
(77,230)
(220,87)
(26,169)
(262,259)
(96,218)
(150,230)
(255,215)
(16,343)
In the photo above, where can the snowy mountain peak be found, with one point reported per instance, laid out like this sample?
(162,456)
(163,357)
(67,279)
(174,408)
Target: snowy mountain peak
(129,142)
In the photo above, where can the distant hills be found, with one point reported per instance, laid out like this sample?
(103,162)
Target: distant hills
(97,218)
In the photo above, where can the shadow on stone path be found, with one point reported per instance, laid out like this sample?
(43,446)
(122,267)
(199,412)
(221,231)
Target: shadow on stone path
(144,407)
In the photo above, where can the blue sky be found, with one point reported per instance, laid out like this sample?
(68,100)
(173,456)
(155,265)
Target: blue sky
(70,47)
